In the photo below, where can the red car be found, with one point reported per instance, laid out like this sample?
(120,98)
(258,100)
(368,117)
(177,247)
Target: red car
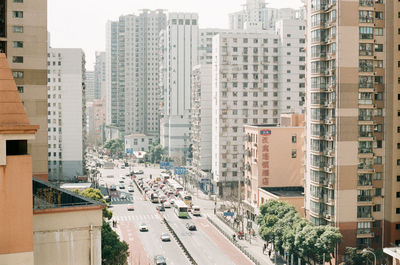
(130,207)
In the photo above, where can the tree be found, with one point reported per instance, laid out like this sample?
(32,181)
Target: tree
(96,195)
(281,224)
(113,251)
(115,146)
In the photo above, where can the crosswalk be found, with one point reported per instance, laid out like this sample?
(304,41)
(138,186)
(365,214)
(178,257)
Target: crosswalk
(138,217)
(127,200)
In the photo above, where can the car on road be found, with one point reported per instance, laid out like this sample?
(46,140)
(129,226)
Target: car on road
(160,208)
(121,186)
(123,196)
(159,260)
(165,237)
(121,181)
(112,187)
(137,172)
(130,207)
(191,226)
(130,189)
(143,228)
(167,204)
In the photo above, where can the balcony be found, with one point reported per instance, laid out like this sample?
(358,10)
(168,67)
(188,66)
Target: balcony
(365,150)
(364,198)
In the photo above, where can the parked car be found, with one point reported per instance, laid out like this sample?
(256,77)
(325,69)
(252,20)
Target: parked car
(130,189)
(160,208)
(121,186)
(165,237)
(130,207)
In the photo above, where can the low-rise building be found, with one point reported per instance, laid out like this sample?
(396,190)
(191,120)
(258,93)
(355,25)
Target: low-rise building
(273,159)
(138,143)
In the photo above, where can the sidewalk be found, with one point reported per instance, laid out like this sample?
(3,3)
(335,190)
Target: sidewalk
(254,248)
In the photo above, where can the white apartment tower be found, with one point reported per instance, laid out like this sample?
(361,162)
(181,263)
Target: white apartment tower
(181,55)
(89,86)
(133,62)
(66,104)
(257,11)
(256,76)
(100,75)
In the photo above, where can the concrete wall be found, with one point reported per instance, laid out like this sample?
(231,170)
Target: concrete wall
(16,221)
(64,237)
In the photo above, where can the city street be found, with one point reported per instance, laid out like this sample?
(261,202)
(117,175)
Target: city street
(206,245)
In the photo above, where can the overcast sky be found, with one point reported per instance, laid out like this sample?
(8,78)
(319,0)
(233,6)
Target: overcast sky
(81,23)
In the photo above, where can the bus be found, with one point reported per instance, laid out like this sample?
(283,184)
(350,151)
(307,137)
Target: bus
(181,209)
(186,198)
(175,186)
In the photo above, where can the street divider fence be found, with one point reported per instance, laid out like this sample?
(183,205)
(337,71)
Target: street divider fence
(178,240)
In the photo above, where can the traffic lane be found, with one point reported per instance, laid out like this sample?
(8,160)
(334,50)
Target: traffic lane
(151,239)
(137,253)
(199,245)
(223,244)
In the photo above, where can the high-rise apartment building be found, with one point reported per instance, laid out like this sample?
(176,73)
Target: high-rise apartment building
(181,54)
(115,92)
(89,86)
(23,37)
(136,58)
(256,76)
(201,118)
(205,44)
(100,75)
(352,171)
(66,120)
(257,11)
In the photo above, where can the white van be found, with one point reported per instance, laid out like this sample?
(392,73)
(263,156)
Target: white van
(196,210)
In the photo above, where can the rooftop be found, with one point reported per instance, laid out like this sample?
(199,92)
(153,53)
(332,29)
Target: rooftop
(285,191)
(49,196)
(70,186)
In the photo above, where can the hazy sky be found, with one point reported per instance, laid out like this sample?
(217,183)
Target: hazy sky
(81,23)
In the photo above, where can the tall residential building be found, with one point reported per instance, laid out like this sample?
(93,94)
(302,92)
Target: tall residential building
(180,48)
(250,89)
(100,75)
(23,37)
(205,44)
(115,92)
(201,119)
(137,69)
(89,86)
(257,11)
(66,120)
(352,172)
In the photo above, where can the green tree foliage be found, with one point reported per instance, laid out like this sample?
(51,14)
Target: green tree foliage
(357,257)
(96,195)
(115,146)
(155,153)
(281,225)
(113,251)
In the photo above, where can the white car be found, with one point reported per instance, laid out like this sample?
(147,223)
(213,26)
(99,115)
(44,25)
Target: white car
(167,204)
(123,196)
(130,189)
(143,228)
(165,237)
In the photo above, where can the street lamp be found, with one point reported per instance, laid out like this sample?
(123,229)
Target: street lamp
(369,251)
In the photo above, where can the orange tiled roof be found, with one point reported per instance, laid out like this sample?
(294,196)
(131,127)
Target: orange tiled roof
(13,117)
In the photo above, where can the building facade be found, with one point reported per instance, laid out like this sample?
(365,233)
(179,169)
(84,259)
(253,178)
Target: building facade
(66,113)
(352,129)
(257,11)
(89,86)
(23,38)
(100,75)
(201,118)
(180,48)
(135,143)
(247,87)
(274,158)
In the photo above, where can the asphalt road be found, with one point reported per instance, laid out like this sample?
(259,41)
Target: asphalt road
(207,245)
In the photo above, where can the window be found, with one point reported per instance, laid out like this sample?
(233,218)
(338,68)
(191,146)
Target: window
(377,208)
(294,153)
(18,74)
(366,33)
(379,47)
(18,44)
(398,194)
(17,59)
(18,14)
(20,89)
(379,15)
(398,178)
(378,31)
(18,29)
(18,1)
(397,226)
(397,210)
